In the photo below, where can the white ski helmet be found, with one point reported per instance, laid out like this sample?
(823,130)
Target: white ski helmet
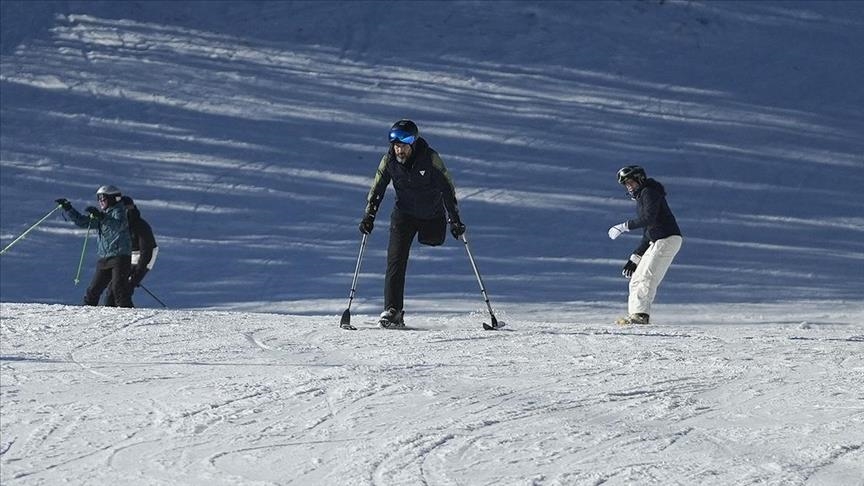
(111,192)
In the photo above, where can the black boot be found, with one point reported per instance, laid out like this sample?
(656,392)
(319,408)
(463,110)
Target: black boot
(392,318)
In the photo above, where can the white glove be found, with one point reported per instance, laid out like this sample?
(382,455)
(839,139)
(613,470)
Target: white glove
(615,231)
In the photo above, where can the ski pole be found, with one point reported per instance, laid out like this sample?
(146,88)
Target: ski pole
(151,295)
(84,248)
(345,323)
(29,229)
(495,324)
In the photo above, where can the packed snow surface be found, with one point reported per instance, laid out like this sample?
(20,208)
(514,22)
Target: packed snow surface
(103,396)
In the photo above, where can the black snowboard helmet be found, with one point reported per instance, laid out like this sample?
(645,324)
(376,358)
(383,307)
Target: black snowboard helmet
(404,131)
(632,173)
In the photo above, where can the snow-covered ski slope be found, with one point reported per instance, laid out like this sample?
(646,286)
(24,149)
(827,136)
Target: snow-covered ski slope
(144,396)
(248,133)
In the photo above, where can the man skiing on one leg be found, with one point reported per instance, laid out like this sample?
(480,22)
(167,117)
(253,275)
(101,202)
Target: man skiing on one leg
(424,189)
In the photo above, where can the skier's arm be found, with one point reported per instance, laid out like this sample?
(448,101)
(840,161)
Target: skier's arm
(448,189)
(379,186)
(146,243)
(81,220)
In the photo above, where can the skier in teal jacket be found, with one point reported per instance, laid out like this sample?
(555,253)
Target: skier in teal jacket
(113,245)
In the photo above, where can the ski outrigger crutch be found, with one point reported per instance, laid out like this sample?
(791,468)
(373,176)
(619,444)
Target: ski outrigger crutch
(495,324)
(345,323)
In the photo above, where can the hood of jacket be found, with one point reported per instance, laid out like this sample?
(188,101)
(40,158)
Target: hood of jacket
(652,184)
(132,214)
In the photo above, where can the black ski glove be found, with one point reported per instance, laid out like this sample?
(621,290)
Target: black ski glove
(367,224)
(95,213)
(631,265)
(137,275)
(457,229)
(64,203)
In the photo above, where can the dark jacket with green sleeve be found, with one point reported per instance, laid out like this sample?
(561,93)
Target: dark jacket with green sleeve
(424,188)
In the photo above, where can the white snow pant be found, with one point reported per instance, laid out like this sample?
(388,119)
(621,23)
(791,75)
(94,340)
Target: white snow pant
(650,272)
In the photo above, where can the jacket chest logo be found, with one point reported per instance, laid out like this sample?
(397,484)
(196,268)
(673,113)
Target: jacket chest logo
(422,172)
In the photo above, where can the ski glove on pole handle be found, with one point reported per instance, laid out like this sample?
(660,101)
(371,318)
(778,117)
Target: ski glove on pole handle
(64,203)
(367,224)
(95,213)
(136,276)
(615,231)
(457,228)
(631,265)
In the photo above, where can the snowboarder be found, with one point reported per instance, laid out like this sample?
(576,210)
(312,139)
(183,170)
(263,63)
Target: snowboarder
(144,248)
(661,240)
(114,245)
(424,189)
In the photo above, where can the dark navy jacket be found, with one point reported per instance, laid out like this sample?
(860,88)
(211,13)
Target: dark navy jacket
(142,237)
(423,186)
(653,214)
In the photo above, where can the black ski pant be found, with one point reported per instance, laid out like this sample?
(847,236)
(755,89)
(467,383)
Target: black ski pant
(403,228)
(113,271)
(136,275)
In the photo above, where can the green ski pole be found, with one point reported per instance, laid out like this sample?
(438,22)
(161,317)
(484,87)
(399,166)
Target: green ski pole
(16,240)
(81,262)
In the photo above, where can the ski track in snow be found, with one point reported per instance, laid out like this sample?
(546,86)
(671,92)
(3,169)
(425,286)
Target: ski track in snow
(168,397)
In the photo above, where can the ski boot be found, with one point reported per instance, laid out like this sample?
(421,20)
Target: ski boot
(392,319)
(638,318)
